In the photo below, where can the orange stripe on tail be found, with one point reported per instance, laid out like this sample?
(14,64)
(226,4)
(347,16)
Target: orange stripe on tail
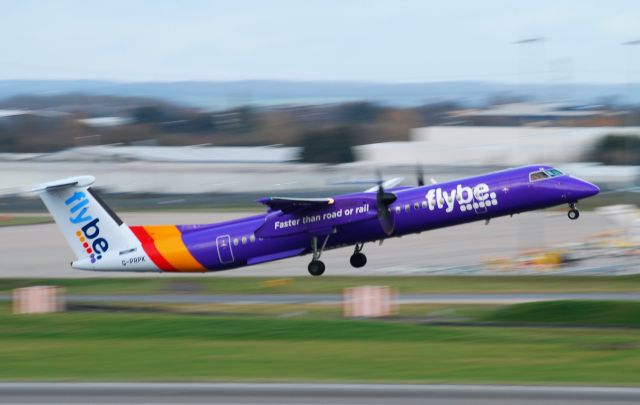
(168,242)
(150,248)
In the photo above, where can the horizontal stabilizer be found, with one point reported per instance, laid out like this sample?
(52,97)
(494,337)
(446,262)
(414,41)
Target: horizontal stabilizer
(78,181)
(286,204)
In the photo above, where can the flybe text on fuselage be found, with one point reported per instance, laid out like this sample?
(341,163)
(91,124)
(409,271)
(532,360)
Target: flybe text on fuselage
(89,233)
(466,198)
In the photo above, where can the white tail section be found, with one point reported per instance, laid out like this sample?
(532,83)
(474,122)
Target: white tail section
(91,228)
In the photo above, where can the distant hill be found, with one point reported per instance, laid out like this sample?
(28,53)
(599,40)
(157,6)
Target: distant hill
(219,95)
(86,104)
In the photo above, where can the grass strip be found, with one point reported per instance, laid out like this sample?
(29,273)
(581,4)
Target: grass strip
(606,313)
(24,220)
(169,347)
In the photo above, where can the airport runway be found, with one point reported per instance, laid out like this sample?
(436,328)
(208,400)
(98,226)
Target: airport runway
(238,393)
(278,299)
(41,251)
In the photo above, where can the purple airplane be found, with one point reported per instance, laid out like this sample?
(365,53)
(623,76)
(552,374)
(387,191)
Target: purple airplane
(299,226)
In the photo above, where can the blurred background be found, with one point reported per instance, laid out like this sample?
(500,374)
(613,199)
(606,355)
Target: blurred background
(230,98)
(189,111)
(229,92)
(209,106)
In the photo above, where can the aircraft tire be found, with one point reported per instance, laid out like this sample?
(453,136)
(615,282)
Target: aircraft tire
(573,214)
(316,268)
(358,260)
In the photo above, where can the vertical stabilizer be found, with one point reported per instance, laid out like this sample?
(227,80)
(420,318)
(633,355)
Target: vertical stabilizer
(91,228)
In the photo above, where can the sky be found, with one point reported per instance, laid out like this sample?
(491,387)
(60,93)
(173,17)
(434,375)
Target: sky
(336,40)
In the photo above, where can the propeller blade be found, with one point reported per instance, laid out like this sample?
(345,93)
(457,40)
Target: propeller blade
(385,184)
(383,200)
(419,175)
(386,221)
(384,216)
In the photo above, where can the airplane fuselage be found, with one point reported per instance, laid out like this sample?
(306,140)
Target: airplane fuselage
(351,219)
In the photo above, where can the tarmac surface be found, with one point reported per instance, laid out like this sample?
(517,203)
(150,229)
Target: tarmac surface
(237,393)
(41,251)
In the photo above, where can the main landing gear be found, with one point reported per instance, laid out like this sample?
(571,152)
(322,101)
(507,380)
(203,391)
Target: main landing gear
(358,259)
(316,267)
(573,213)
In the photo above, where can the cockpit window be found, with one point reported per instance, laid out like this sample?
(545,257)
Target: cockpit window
(554,172)
(538,176)
(544,174)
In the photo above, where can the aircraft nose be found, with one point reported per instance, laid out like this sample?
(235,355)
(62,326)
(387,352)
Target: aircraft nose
(579,189)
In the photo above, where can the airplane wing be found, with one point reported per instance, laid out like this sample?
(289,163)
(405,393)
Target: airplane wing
(286,204)
(386,184)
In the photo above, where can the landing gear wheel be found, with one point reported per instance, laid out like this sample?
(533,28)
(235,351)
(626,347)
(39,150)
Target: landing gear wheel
(573,214)
(358,260)
(316,268)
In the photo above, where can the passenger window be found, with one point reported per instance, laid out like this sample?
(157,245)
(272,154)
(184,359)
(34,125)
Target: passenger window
(538,176)
(244,240)
(424,204)
(235,242)
(416,205)
(407,207)
(398,209)
(252,238)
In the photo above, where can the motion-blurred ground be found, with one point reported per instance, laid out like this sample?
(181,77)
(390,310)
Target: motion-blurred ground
(505,246)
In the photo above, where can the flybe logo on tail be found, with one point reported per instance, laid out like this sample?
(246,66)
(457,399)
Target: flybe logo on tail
(89,233)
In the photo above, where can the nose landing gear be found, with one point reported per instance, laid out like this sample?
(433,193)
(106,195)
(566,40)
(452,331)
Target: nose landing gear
(358,259)
(573,213)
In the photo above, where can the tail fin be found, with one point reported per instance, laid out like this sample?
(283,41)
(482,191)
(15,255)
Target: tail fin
(91,228)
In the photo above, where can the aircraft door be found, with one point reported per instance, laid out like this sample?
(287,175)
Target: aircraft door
(225,254)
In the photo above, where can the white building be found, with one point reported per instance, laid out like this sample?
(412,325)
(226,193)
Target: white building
(508,146)
(179,154)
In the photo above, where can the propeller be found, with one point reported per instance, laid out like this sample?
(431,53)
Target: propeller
(419,175)
(383,200)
